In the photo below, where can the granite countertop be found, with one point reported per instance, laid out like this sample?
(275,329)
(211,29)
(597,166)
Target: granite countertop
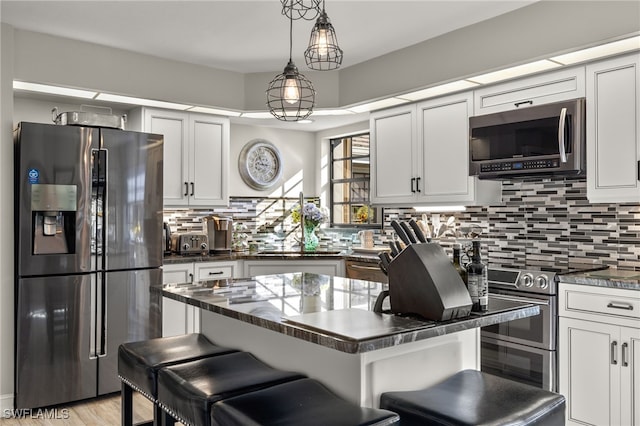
(330,311)
(611,278)
(270,255)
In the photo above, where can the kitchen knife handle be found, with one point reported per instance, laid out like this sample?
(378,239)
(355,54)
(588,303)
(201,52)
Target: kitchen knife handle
(417,231)
(186,189)
(417,184)
(614,350)
(400,232)
(412,182)
(394,249)
(409,232)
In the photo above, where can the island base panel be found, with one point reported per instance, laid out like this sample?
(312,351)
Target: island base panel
(361,377)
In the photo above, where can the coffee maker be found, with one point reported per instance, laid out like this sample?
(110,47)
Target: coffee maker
(219,230)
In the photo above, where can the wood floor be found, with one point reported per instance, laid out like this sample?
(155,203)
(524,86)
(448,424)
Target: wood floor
(104,411)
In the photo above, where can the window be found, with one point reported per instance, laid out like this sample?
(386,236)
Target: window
(350,182)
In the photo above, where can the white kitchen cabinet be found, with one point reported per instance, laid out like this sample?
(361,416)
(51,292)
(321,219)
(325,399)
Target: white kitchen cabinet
(196,155)
(613,130)
(331,267)
(420,155)
(443,125)
(599,355)
(180,318)
(394,151)
(554,86)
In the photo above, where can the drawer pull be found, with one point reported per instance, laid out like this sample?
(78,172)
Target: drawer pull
(216,273)
(614,350)
(625,306)
(517,104)
(625,347)
(368,268)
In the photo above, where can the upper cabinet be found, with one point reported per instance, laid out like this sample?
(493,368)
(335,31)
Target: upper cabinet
(196,156)
(420,155)
(613,130)
(541,89)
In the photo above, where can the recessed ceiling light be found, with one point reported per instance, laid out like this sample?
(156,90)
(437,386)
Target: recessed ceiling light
(217,111)
(53,90)
(603,50)
(141,101)
(513,72)
(306,121)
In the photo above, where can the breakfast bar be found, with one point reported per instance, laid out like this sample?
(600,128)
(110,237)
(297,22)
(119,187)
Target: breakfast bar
(324,326)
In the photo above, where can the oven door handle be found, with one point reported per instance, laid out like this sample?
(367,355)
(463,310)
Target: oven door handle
(519,299)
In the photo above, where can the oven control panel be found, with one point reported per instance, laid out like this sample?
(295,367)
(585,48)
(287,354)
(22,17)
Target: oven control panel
(523,280)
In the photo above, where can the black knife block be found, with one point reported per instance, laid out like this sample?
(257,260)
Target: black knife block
(423,281)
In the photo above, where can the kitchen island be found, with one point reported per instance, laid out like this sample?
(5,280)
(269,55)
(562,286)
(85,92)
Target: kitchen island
(324,326)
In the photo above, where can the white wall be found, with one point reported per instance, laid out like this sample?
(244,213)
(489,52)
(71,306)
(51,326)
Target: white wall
(298,151)
(6,219)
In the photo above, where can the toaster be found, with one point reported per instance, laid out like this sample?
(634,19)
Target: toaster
(189,243)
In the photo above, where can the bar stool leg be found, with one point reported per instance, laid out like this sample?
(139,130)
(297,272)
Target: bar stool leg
(126,405)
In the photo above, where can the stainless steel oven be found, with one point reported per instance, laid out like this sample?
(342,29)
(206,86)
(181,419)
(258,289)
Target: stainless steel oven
(523,350)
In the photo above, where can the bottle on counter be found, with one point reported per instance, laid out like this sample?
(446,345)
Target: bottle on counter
(478,282)
(457,262)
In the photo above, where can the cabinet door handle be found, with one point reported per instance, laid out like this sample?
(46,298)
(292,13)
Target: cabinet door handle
(193,188)
(638,169)
(216,273)
(186,189)
(190,278)
(625,348)
(614,353)
(517,104)
(412,182)
(625,306)
(417,184)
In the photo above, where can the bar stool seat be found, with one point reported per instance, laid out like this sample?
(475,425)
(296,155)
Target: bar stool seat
(302,402)
(139,362)
(472,397)
(187,391)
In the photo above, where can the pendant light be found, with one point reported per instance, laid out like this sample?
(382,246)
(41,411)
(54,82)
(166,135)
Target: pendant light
(290,95)
(301,9)
(323,53)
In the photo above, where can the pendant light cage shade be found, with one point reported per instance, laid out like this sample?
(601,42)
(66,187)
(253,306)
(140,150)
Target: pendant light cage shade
(323,53)
(290,95)
(301,9)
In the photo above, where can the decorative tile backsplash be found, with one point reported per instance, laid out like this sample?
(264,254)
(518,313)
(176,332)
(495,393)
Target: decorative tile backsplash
(546,224)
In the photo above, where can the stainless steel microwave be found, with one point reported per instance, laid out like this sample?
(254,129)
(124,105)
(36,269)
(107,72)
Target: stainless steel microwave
(532,141)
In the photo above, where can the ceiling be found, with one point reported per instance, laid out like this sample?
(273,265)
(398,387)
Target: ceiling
(247,36)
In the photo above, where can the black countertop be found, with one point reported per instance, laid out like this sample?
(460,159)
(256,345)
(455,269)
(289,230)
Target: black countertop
(330,311)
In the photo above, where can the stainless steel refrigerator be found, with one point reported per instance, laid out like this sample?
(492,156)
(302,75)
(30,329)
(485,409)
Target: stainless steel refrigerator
(88,213)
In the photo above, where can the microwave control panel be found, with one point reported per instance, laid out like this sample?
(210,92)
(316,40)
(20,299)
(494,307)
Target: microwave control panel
(520,165)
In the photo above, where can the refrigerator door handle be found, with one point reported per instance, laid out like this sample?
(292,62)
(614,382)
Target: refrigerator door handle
(101,347)
(92,323)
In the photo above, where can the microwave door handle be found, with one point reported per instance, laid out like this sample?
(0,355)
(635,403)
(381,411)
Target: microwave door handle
(562,124)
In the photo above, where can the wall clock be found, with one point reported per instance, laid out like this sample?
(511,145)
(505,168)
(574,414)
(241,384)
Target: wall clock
(260,164)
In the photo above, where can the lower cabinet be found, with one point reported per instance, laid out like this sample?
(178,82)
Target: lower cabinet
(319,266)
(180,318)
(599,355)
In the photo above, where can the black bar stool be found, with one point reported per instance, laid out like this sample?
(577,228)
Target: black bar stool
(186,391)
(139,362)
(472,397)
(302,402)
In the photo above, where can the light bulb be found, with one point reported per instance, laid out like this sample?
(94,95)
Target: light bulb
(291,91)
(321,42)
